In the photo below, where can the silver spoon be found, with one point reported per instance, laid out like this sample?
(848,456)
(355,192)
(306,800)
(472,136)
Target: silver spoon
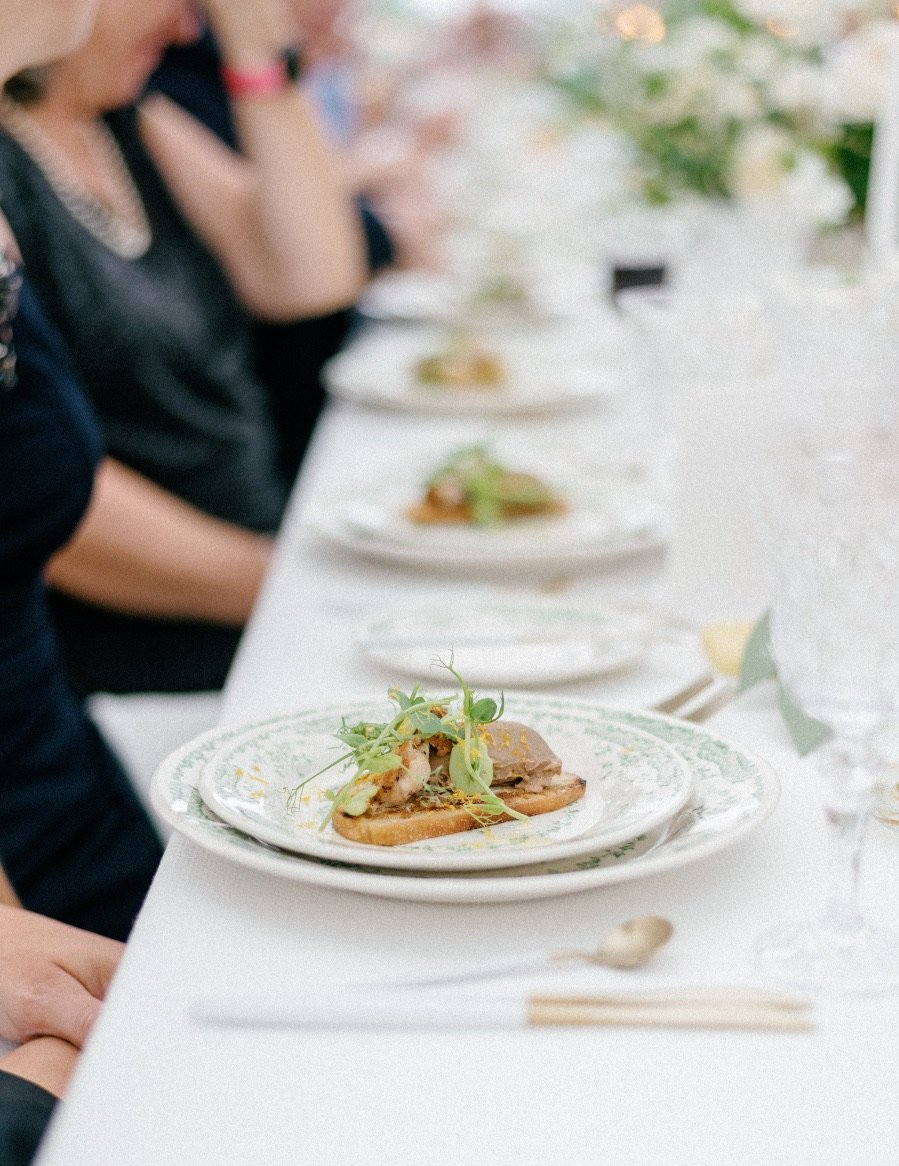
(629,945)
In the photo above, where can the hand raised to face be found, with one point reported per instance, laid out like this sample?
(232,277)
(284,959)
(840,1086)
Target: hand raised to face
(249,32)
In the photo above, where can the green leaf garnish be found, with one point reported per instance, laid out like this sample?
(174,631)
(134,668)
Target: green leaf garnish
(427,725)
(487,486)
(471,766)
(375,749)
(358,799)
(483,711)
(383,763)
(460,772)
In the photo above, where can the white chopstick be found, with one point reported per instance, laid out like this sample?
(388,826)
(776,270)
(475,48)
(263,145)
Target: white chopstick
(680,1008)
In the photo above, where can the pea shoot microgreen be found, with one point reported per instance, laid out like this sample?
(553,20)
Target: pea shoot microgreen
(488,487)
(375,749)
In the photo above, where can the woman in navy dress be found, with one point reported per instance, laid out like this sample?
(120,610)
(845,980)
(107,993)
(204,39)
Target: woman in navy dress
(72,835)
(74,840)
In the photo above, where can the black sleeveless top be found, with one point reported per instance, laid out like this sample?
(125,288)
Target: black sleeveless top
(160,342)
(73,838)
(164,351)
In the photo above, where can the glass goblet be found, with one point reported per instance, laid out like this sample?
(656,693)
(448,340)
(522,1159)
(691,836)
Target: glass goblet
(833,548)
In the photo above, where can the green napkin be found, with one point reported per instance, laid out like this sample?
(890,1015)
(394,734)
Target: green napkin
(758,665)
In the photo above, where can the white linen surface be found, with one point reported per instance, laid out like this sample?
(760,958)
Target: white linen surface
(153,1088)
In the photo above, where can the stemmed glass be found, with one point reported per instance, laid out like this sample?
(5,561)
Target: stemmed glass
(833,549)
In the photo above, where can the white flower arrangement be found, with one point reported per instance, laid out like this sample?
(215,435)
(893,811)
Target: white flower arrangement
(735,99)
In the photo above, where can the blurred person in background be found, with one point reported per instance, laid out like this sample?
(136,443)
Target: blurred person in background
(154,248)
(290,357)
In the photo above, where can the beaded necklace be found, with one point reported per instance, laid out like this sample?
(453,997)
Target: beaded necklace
(125,232)
(10,282)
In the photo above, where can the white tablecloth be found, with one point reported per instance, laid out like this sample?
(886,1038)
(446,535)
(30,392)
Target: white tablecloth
(153,1088)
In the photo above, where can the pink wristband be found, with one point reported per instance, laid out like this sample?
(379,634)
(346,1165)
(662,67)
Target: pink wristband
(266,82)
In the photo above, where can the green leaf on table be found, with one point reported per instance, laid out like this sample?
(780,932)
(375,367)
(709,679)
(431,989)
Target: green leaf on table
(806,732)
(758,663)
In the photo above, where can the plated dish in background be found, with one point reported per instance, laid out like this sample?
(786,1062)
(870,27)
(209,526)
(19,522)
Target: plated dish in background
(452,370)
(633,782)
(463,362)
(579,519)
(497,290)
(506,644)
(472,488)
(733,793)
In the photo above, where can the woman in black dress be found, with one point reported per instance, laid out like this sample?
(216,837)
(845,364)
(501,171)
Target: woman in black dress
(154,248)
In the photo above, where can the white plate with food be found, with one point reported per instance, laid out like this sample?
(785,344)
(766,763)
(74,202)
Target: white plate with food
(734,792)
(505,644)
(476,512)
(575,783)
(458,371)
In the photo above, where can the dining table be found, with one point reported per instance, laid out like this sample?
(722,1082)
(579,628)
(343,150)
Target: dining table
(158,1084)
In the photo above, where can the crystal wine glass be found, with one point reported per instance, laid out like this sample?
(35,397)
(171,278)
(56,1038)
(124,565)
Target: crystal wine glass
(833,538)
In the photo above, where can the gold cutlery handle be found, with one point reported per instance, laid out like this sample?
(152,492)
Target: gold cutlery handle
(729,1016)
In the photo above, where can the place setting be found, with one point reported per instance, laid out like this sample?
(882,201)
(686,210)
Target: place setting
(637,793)
(485,276)
(480,369)
(513,643)
(490,506)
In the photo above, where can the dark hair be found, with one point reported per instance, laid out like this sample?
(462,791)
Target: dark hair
(28,85)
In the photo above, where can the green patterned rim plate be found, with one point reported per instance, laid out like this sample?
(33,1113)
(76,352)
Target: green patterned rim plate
(635,782)
(733,793)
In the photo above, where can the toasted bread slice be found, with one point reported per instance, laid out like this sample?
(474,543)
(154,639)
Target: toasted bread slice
(431,511)
(415,822)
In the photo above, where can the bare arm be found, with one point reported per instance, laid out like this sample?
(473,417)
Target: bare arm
(279,216)
(141,550)
(7,894)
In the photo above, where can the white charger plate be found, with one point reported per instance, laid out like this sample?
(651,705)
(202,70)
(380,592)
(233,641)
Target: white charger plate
(504,644)
(635,782)
(734,792)
(544,372)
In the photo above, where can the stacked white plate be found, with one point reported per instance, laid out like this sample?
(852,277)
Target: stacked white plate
(660,793)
